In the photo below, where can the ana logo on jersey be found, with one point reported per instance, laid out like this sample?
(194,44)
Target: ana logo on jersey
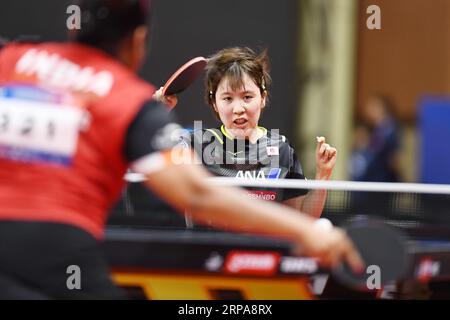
(274,173)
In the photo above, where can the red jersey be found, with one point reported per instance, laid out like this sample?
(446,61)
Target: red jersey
(64,112)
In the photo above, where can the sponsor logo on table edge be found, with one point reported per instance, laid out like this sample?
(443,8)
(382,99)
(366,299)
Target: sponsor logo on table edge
(252,262)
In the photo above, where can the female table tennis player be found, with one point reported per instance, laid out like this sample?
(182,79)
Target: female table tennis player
(236,83)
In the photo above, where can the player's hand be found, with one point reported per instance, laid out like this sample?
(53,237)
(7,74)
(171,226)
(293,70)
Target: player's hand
(169,101)
(325,159)
(331,246)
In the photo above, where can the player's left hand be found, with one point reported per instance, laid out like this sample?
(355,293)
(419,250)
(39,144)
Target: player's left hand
(325,159)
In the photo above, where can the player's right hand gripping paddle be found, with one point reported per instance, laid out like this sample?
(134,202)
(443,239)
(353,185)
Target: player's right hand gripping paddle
(184,76)
(384,251)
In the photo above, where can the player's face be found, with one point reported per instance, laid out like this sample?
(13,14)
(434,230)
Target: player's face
(239,110)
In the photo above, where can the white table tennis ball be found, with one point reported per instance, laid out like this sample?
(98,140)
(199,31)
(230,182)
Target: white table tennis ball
(324,224)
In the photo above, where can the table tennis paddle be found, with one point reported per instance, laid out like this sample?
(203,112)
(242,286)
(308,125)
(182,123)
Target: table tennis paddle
(383,249)
(184,76)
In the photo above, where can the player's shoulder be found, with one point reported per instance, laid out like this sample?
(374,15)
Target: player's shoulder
(127,80)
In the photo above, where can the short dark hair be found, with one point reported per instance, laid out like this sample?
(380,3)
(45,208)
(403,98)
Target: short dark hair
(105,22)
